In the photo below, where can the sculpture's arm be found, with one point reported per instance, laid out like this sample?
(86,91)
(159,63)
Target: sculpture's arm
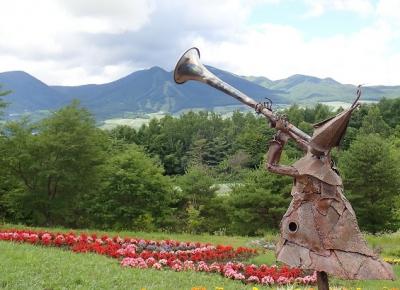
(282,125)
(274,155)
(302,144)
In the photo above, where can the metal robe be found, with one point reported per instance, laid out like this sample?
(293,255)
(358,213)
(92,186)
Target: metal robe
(319,231)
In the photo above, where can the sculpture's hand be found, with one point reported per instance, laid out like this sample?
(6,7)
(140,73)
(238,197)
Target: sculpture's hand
(282,137)
(282,123)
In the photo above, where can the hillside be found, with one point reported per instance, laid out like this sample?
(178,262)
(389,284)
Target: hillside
(153,90)
(307,89)
(29,93)
(143,91)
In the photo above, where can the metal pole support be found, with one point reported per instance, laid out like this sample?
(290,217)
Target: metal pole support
(322,281)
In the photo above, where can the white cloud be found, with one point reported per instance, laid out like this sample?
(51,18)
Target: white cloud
(388,10)
(279,51)
(94,41)
(108,16)
(319,7)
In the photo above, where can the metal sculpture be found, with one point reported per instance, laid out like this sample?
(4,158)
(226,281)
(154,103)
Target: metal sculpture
(319,231)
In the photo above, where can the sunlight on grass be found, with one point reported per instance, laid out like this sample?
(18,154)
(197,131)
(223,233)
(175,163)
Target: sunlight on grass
(35,267)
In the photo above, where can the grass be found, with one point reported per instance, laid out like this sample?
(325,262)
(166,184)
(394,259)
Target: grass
(31,267)
(25,266)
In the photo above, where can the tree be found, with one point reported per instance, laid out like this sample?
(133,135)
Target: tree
(390,109)
(371,181)
(259,203)
(373,123)
(56,162)
(136,194)
(2,103)
(124,133)
(198,192)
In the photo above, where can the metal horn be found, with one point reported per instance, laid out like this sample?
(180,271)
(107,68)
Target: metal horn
(189,67)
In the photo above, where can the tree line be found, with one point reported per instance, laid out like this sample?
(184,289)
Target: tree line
(65,171)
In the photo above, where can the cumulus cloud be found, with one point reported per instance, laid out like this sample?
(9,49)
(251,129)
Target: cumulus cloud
(95,41)
(279,51)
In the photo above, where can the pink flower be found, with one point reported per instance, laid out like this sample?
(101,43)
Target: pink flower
(282,280)
(188,265)
(176,267)
(177,256)
(157,266)
(215,267)
(127,262)
(202,267)
(151,261)
(267,280)
(253,279)
(239,276)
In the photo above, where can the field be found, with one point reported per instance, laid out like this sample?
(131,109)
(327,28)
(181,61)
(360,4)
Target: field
(36,267)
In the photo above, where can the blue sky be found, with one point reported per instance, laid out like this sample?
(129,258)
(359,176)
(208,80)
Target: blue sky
(294,13)
(96,41)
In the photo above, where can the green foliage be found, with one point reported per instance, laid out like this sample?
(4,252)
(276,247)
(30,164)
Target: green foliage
(54,163)
(124,133)
(2,103)
(372,182)
(173,140)
(136,194)
(62,170)
(259,203)
(373,123)
(198,200)
(390,110)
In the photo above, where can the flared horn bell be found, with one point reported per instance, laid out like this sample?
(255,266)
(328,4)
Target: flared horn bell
(189,67)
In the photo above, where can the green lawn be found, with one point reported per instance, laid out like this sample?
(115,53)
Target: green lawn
(24,266)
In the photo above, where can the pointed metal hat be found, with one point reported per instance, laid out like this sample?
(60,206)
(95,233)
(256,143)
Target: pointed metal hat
(330,132)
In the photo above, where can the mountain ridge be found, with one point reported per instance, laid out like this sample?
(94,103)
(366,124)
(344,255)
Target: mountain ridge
(151,90)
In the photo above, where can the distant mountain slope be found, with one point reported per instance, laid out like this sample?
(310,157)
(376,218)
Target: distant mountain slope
(29,93)
(308,89)
(153,90)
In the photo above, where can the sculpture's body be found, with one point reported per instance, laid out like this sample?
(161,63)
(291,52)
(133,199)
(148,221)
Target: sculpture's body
(319,231)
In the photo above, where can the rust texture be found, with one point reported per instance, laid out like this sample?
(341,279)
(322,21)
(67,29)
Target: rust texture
(319,231)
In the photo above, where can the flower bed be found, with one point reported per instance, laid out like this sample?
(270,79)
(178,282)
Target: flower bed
(167,254)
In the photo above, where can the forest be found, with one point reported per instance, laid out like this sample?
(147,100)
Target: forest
(168,175)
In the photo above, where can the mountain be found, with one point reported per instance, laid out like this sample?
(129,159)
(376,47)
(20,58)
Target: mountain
(29,93)
(153,90)
(307,89)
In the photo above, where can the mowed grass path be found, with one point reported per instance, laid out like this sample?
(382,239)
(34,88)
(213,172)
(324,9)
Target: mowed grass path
(24,266)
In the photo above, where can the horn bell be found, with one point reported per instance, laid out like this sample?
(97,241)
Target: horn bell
(189,67)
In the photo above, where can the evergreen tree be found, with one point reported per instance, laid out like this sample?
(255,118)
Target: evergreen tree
(390,110)
(198,192)
(259,203)
(371,181)
(373,123)
(2,103)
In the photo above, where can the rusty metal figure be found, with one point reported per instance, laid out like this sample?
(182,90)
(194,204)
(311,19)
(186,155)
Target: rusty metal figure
(319,231)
